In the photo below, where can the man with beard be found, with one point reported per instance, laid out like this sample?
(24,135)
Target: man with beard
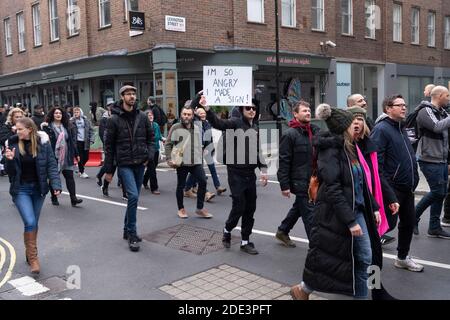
(129,141)
(184,152)
(241,165)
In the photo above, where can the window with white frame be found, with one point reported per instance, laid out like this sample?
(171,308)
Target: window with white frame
(54,20)
(370,10)
(36,15)
(288,15)
(8,40)
(21,31)
(318,15)
(130,5)
(415,25)
(104,12)
(447,33)
(431,29)
(255,11)
(397,22)
(347,16)
(73,17)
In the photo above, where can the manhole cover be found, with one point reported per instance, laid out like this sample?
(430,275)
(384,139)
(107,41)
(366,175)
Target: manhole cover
(189,238)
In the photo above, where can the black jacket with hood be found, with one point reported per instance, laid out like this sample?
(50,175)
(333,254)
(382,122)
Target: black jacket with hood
(329,265)
(129,138)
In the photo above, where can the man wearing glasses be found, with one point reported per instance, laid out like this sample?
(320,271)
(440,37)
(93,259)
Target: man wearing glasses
(241,167)
(432,151)
(397,162)
(129,142)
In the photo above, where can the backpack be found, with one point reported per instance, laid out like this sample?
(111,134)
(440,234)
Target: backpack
(411,127)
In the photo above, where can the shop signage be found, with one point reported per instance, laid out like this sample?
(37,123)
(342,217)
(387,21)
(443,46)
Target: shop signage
(228,85)
(137,20)
(176,24)
(289,60)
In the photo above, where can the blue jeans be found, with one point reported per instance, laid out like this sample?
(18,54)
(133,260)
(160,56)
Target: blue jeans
(437,178)
(363,258)
(29,202)
(132,177)
(301,208)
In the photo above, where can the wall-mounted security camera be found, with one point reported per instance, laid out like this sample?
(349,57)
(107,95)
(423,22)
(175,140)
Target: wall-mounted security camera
(331,44)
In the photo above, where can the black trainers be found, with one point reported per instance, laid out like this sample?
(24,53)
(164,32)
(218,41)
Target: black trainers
(125,236)
(124,196)
(76,202)
(249,248)
(99,181)
(146,187)
(385,240)
(416,230)
(133,242)
(438,233)
(105,192)
(285,239)
(226,240)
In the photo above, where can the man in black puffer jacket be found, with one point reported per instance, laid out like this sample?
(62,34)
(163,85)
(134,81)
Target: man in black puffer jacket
(129,140)
(295,170)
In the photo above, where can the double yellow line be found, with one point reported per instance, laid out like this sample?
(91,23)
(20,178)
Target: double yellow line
(3,256)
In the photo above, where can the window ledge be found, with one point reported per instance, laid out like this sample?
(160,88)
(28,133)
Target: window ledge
(105,27)
(23,51)
(416,44)
(348,35)
(54,41)
(37,46)
(318,31)
(257,23)
(431,47)
(398,42)
(289,27)
(9,55)
(369,38)
(73,36)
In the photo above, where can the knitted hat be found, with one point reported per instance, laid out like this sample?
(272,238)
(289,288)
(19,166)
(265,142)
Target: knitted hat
(358,111)
(127,87)
(338,120)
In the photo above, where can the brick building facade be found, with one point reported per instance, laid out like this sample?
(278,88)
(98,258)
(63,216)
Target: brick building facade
(92,64)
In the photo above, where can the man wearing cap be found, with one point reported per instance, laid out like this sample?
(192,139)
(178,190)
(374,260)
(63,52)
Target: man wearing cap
(129,141)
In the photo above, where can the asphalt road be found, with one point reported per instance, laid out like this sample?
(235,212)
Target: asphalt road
(89,239)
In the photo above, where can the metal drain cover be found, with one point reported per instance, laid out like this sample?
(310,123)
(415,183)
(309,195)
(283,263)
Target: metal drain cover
(189,238)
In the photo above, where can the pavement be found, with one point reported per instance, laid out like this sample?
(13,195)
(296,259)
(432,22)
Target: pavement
(83,255)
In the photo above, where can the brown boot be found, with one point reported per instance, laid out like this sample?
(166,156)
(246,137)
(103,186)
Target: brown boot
(30,239)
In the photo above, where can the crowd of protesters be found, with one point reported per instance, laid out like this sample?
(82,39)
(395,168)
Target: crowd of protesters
(351,183)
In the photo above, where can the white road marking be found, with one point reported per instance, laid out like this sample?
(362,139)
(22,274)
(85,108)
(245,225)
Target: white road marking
(104,201)
(388,256)
(12,261)
(28,286)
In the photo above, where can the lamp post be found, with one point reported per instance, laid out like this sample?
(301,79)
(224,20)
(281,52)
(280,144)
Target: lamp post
(277,68)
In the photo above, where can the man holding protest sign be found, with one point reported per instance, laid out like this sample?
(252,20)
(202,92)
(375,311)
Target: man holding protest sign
(241,170)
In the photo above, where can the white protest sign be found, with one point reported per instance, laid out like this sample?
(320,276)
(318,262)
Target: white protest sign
(228,85)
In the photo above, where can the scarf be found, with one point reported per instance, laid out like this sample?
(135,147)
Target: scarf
(60,147)
(294,123)
(377,193)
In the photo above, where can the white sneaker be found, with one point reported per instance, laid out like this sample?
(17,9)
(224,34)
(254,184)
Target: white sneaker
(445,223)
(84,175)
(409,264)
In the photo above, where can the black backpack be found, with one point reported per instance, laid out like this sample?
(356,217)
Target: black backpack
(411,127)
(163,116)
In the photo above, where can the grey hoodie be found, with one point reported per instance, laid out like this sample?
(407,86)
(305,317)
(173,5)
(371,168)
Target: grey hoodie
(433,124)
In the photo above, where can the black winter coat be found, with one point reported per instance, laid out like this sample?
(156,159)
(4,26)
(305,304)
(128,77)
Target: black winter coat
(72,150)
(251,151)
(126,144)
(46,167)
(329,265)
(296,160)
(5,133)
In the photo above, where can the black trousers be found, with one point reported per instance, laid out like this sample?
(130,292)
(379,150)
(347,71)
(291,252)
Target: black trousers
(447,204)
(150,173)
(70,184)
(243,194)
(84,156)
(198,172)
(407,216)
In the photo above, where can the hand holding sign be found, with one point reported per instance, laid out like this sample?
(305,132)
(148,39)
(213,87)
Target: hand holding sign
(228,86)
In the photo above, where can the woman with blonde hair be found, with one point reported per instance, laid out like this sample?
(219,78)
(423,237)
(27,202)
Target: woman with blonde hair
(8,129)
(31,167)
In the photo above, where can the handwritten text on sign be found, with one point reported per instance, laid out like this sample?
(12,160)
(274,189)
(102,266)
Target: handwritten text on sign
(227,86)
